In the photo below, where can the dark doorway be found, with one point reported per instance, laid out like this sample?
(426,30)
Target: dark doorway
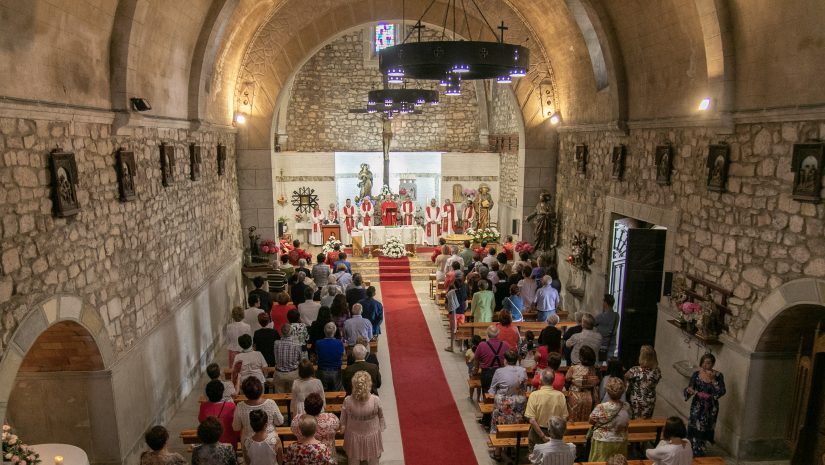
(637,268)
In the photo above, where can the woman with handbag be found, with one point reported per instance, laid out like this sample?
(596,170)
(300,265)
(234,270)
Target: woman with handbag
(610,420)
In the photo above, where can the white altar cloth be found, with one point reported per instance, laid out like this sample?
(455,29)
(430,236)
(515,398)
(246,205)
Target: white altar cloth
(378,235)
(72,455)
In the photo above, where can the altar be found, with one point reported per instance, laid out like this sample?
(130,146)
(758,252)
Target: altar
(378,235)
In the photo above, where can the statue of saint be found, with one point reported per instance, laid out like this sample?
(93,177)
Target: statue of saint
(544,222)
(365,181)
(485,204)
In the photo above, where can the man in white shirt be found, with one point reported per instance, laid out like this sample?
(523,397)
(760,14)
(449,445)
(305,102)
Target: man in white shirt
(555,451)
(309,309)
(547,299)
(250,315)
(588,337)
(455,257)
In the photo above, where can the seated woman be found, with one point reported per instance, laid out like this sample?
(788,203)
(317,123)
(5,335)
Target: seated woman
(210,451)
(223,410)
(674,449)
(610,420)
(156,438)
(327,423)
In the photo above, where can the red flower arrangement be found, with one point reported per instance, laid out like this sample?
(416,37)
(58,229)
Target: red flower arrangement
(524,246)
(268,247)
(286,246)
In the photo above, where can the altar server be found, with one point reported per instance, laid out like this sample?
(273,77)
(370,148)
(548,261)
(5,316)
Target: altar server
(448,218)
(349,222)
(433,222)
(407,211)
(469,215)
(317,217)
(366,211)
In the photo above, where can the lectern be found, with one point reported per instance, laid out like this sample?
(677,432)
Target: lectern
(328,230)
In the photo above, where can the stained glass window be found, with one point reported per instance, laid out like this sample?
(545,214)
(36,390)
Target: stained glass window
(384,36)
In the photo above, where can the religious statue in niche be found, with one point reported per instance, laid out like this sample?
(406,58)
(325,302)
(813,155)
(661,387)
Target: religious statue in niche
(64,183)
(664,164)
(221,159)
(458,194)
(581,159)
(544,222)
(618,157)
(807,167)
(485,205)
(364,182)
(581,251)
(718,159)
(194,162)
(167,164)
(304,199)
(125,167)
(407,187)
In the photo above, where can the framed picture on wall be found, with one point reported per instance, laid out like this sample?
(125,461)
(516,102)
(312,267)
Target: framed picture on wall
(194,162)
(807,172)
(221,159)
(617,158)
(664,164)
(125,167)
(64,183)
(718,160)
(581,159)
(167,164)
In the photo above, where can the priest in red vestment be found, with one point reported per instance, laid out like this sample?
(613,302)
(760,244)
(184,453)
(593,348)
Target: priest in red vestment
(349,222)
(407,211)
(366,211)
(448,218)
(389,212)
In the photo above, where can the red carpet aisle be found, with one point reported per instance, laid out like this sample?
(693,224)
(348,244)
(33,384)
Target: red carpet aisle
(431,428)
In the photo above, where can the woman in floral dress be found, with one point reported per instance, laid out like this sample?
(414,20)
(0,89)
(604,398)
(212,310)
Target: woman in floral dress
(584,384)
(308,450)
(641,383)
(362,420)
(327,423)
(706,387)
(610,420)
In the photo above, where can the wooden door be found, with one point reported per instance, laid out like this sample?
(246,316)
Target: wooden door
(806,426)
(642,289)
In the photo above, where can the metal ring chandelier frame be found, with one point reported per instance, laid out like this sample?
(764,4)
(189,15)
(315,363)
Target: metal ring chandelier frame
(470,60)
(399,101)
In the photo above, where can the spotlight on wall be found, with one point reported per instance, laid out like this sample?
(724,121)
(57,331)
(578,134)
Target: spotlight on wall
(240,118)
(704,105)
(140,104)
(555,118)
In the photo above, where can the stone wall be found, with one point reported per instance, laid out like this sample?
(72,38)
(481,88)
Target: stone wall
(750,239)
(135,262)
(336,80)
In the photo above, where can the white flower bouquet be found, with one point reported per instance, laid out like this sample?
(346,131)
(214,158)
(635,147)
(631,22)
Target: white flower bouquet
(329,246)
(393,248)
(484,235)
(15,451)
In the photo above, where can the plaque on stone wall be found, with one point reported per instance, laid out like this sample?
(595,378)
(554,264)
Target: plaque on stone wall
(617,158)
(581,159)
(125,167)
(221,159)
(664,164)
(807,169)
(167,164)
(64,183)
(718,160)
(194,161)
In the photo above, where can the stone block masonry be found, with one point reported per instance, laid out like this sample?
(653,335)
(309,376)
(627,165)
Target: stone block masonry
(134,262)
(750,240)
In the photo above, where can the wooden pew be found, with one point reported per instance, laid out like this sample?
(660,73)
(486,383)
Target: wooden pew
(333,399)
(287,437)
(515,435)
(696,461)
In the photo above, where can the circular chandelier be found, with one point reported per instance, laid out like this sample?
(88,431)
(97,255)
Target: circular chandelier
(399,101)
(451,61)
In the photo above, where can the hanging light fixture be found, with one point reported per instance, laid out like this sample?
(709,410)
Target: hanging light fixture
(471,59)
(392,102)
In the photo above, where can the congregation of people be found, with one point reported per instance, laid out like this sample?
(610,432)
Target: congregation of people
(575,379)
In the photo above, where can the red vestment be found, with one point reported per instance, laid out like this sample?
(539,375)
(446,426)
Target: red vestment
(366,211)
(389,213)
(448,218)
(349,218)
(407,209)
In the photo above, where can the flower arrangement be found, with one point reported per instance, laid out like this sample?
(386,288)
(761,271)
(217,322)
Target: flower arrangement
(283,219)
(393,248)
(268,247)
(469,192)
(524,246)
(484,235)
(15,451)
(386,193)
(286,246)
(299,218)
(402,191)
(329,246)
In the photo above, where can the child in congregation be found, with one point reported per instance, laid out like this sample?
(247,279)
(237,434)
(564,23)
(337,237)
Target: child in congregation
(527,350)
(257,451)
(470,355)
(213,371)
(251,362)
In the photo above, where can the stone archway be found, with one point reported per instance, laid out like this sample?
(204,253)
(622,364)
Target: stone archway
(57,361)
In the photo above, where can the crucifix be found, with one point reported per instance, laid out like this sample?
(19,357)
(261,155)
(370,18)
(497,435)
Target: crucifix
(386,138)
(502,28)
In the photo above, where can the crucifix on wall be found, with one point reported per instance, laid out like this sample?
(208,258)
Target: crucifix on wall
(386,138)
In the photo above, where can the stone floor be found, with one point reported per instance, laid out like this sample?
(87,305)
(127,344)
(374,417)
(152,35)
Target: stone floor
(455,371)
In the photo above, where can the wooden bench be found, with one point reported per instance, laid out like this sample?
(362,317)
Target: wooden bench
(285,434)
(333,400)
(433,284)
(696,461)
(515,435)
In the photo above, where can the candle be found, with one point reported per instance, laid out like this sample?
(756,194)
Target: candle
(58,460)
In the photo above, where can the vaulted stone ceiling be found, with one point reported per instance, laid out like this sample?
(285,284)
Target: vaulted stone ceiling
(600,62)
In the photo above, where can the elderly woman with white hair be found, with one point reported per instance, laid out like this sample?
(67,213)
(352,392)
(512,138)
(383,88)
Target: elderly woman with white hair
(362,421)
(555,451)
(329,291)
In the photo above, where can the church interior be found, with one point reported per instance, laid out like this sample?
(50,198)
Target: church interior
(158,156)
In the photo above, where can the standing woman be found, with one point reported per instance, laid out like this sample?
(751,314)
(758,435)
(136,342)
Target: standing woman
(362,421)
(706,387)
(514,304)
(610,420)
(641,383)
(583,385)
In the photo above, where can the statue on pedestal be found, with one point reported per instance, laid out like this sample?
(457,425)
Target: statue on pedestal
(544,222)
(364,182)
(485,204)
